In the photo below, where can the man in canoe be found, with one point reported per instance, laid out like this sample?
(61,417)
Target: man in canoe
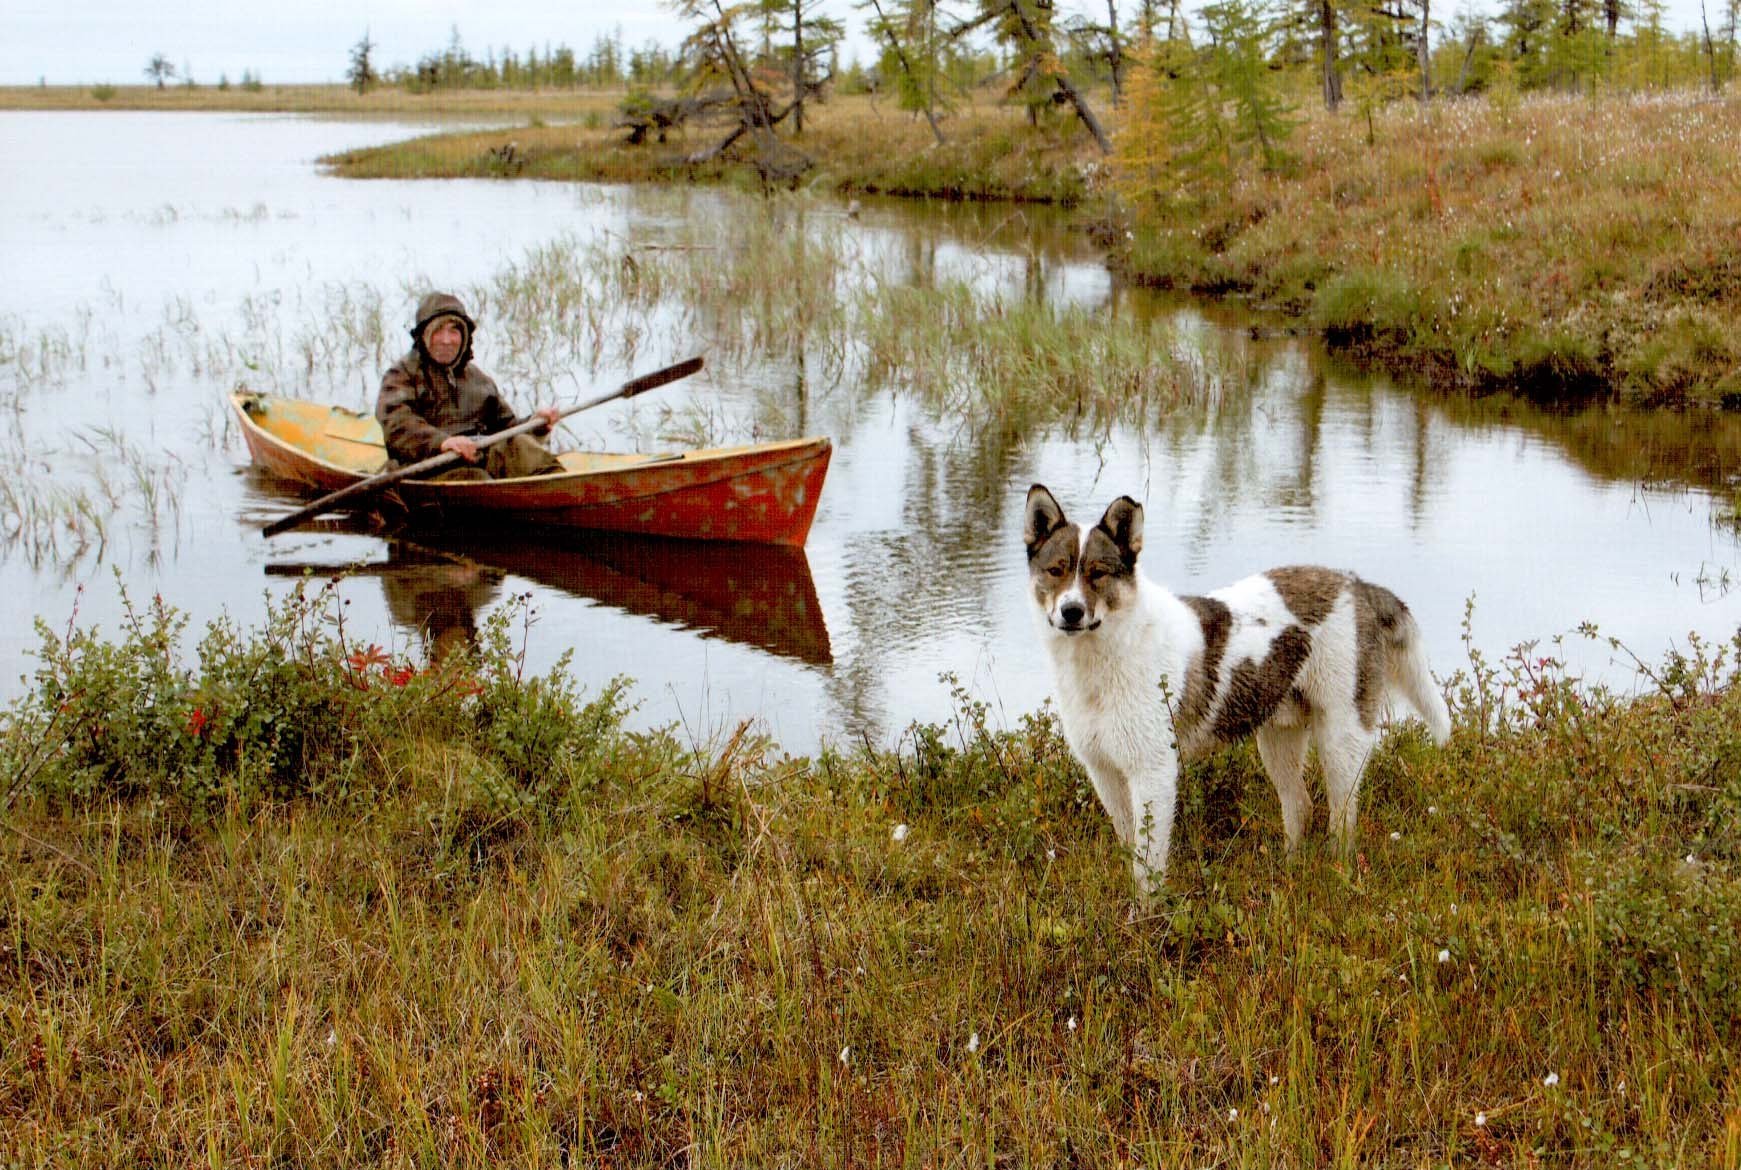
(434,400)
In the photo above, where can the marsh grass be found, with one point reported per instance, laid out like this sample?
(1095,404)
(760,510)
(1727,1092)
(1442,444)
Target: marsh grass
(292,899)
(62,503)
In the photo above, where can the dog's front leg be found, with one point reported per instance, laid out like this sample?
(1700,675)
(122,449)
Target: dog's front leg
(1153,794)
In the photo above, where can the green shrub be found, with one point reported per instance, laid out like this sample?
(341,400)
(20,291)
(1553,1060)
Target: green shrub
(289,711)
(103,92)
(1672,926)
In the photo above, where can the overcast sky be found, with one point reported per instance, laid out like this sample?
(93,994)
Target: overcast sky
(80,42)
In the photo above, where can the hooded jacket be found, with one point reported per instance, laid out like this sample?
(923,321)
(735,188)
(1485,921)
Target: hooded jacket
(422,403)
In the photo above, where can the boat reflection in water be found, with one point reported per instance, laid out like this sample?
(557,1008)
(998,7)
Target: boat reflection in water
(760,595)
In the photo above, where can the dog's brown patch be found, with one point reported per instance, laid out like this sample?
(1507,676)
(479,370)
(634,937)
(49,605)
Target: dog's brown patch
(1309,592)
(1256,689)
(1052,562)
(1108,574)
(1204,675)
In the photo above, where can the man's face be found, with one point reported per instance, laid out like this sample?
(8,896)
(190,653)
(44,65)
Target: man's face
(444,337)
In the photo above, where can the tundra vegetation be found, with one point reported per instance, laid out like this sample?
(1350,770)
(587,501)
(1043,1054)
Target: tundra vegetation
(281,898)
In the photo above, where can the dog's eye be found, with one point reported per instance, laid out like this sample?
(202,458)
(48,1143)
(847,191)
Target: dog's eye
(1096,576)
(1054,570)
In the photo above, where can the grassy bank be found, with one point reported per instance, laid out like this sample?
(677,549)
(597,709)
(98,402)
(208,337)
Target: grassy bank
(858,145)
(300,902)
(1563,247)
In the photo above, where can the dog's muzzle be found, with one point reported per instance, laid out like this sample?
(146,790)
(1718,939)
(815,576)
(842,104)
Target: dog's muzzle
(1069,619)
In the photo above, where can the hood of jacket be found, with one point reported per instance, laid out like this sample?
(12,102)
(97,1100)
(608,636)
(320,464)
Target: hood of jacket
(440,304)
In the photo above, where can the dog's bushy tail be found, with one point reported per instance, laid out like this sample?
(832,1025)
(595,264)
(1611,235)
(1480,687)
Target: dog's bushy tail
(1407,675)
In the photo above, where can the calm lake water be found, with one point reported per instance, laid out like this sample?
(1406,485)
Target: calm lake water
(154,261)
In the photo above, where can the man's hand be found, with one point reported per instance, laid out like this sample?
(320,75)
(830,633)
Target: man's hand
(462,446)
(549,414)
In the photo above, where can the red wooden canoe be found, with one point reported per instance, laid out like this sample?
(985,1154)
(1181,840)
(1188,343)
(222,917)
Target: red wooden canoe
(765,493)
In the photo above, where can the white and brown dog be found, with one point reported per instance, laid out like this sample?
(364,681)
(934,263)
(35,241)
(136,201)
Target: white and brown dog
(1300,656)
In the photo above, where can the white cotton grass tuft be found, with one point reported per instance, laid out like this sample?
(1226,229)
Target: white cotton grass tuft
(899,832)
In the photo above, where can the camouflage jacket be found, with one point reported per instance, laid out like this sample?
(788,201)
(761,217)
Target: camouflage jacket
(422,404)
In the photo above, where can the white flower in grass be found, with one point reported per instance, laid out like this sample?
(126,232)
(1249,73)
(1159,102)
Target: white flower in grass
(899,833)
(332,1037)
(1551,1079)
(1395,836)
(1274,1079)
(973,1042)
(1432,810)
(1444,955)
(1233,1115)
(1480,1120)
(1070,1024)
(846,1055)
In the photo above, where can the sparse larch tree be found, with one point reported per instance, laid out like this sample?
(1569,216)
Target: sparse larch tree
(159,69)
(362,68)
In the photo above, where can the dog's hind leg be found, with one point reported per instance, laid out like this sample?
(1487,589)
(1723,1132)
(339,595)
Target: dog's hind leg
(1343,748)
(1283,751)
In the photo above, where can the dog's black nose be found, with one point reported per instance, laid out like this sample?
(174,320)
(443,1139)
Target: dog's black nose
(1072,612)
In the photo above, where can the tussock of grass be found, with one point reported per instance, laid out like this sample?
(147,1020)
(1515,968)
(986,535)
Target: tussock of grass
(502,929)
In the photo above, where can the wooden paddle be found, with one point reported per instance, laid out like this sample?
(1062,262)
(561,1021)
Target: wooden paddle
(447,458)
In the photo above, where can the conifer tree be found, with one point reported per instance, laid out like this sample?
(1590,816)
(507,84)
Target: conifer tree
(1238,61)
(916,53)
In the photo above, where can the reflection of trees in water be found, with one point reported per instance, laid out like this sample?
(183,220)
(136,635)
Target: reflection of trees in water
(903,584)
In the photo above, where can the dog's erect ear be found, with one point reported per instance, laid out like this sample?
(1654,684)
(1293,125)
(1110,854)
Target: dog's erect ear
(1041,517)
(1124,523)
